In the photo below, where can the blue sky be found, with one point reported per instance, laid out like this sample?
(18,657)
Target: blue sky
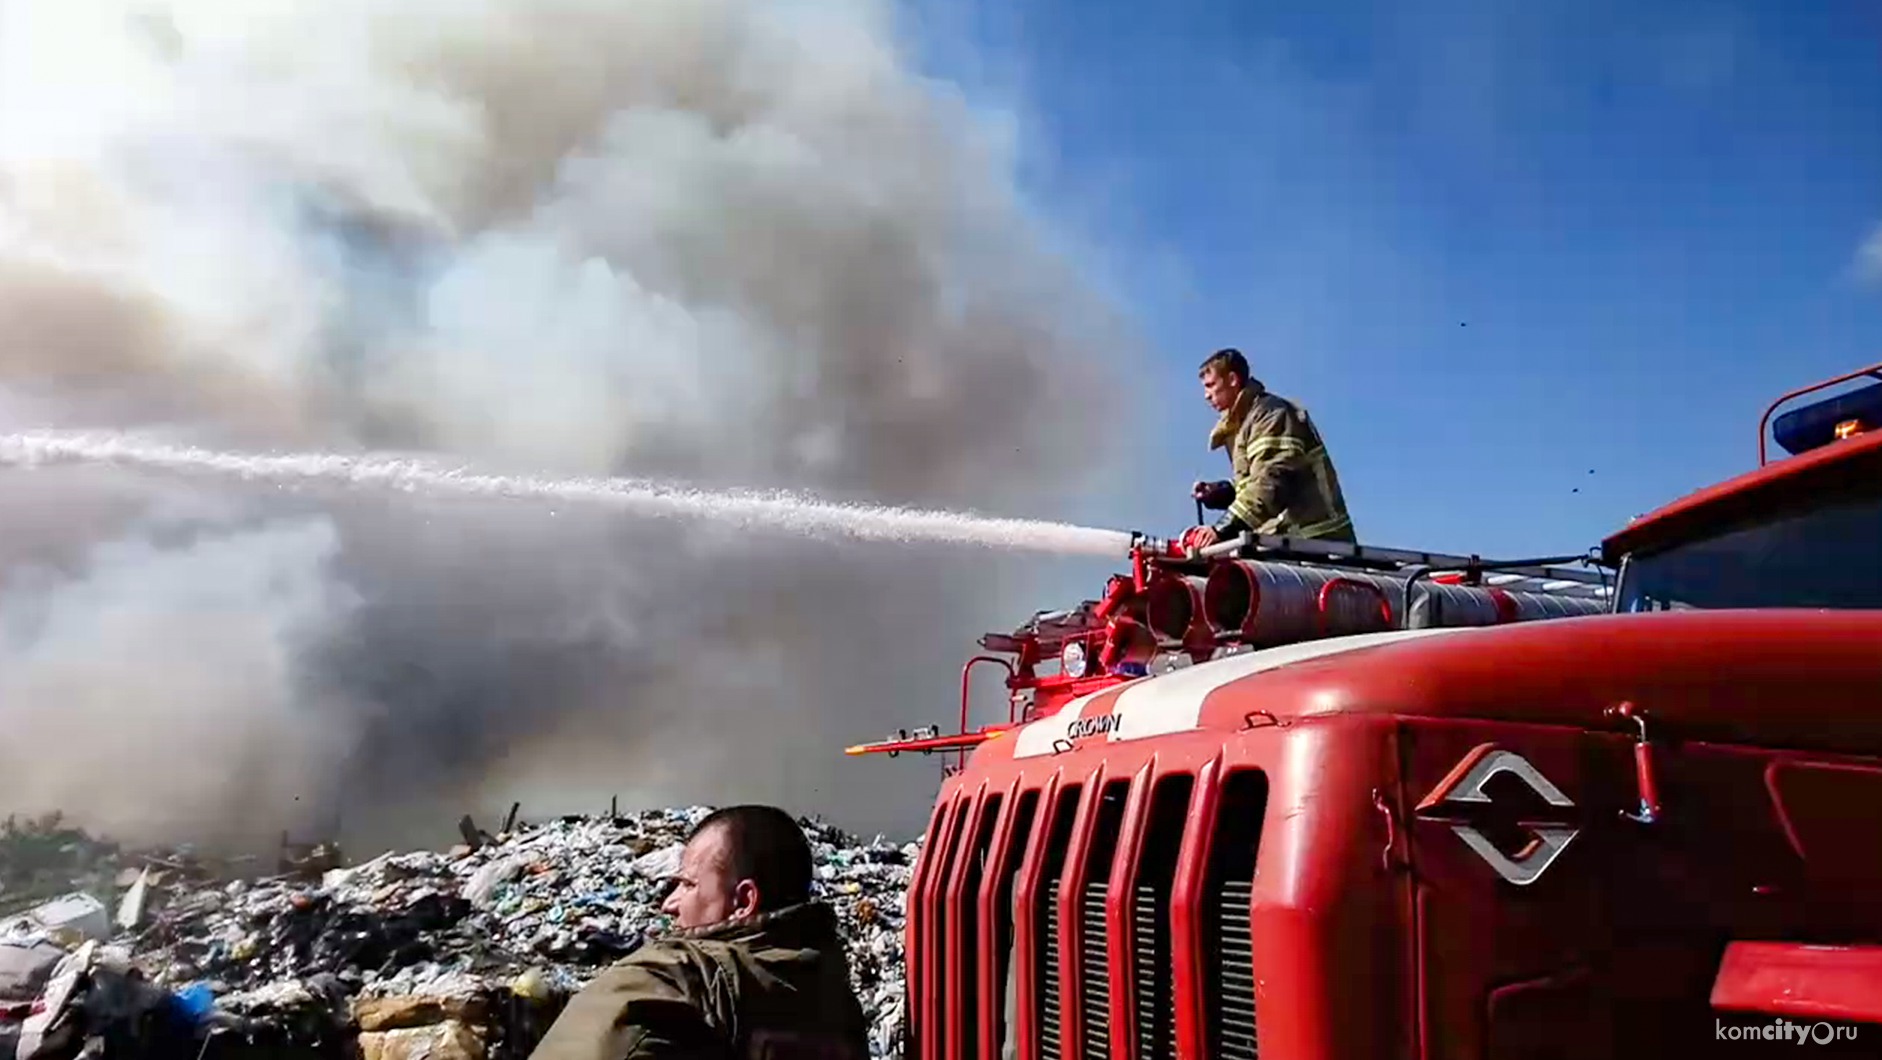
(1492,246)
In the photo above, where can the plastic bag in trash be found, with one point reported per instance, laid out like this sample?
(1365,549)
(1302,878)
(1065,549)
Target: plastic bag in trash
(195,1002)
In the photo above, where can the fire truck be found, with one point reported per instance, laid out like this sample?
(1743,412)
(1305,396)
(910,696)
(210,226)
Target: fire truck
(1317,801)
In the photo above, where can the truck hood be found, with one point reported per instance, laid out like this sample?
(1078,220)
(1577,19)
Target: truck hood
(1173,702)
(1793,678)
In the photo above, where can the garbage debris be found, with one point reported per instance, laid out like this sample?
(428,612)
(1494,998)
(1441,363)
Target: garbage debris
(25,969)
(470,952)
(42,858)
(131,909)
(69,919)
(98,1004)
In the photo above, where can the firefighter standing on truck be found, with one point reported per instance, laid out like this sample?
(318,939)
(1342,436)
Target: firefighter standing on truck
(1284,484)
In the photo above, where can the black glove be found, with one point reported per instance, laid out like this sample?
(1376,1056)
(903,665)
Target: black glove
(1228,526)
(1216,496)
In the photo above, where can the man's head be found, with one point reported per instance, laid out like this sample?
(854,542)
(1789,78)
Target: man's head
(1224,377)
(738,862)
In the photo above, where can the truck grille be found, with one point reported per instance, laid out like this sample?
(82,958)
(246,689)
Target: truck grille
(968,951)
(1150,978)
(1153,987)
(1234,1021)
(1004,958)
(974,977)
(1049,975)
(1095,972)
(940,916)
(1045,986)
(1228,895)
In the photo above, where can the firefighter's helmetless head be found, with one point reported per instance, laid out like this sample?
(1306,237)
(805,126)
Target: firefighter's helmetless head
(1224,376)
(739,862)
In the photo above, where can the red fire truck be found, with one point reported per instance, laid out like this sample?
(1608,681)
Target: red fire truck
(1300,800)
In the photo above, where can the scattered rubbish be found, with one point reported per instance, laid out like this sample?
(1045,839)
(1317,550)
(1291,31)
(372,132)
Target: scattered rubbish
(25,969)
(43,858)
(530,985)
(470,952)
(196,1002)
(25,966)
(446,1040)
(131,909)
(52,1013)
(659,864)
(483,884)
(68,919)
(308,859)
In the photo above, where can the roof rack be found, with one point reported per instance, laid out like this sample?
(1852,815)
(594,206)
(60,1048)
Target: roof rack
(1582,576)
(1335,588)
(1543,574)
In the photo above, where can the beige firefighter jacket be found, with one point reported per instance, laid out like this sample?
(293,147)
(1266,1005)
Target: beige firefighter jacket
(1284,480)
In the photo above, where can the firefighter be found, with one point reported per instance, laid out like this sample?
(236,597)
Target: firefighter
(755,969)
(1284,480)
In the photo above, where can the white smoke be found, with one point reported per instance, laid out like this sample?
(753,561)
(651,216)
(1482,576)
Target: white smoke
(187,651)
(739,243)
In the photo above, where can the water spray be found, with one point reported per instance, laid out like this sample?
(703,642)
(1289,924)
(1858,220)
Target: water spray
(750,510)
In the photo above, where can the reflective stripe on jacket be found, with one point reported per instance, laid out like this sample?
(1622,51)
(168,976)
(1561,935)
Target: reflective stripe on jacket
(1285,484)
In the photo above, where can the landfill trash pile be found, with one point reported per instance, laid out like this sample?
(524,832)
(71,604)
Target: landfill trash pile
(494,934)
(42,858)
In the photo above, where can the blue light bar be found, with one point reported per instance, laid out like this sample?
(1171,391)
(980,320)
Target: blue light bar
(1814,426)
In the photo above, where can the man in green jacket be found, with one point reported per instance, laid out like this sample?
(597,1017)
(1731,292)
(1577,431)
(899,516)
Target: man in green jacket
(1284,483)
(755,970)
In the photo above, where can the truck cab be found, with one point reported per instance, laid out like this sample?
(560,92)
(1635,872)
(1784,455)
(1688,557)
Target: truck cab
(1317,801)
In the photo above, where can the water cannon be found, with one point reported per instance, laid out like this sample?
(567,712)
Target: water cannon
(1144,549)
(1156,546)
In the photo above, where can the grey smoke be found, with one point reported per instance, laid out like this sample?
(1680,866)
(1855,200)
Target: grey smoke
(730,242)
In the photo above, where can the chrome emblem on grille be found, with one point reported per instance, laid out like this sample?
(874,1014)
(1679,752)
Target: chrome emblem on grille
(1465,788)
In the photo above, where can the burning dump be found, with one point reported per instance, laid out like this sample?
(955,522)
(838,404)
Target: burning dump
(728,243)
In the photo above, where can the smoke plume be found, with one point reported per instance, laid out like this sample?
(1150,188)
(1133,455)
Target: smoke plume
(735,243)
